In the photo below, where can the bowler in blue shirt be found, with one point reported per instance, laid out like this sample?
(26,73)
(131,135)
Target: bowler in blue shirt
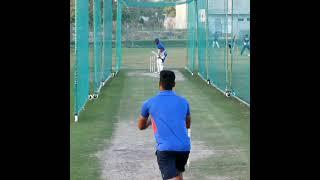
(169,115)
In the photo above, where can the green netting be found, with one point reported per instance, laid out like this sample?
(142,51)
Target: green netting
(107,39)
(229,61)
(191,34)
(97,22)
(202,37)
(153,4)
(217,29)
(82,54)
(119,36)
(240,69)
(140,26)
(130,40)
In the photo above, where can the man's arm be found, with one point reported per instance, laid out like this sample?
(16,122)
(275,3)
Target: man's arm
(143,122)
(188,122)
(188,118)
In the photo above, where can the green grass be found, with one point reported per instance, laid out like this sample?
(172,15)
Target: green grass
(221,123)
(138,58)
(94,127)
(240,77)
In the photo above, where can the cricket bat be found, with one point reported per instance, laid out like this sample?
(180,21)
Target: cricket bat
(154,53)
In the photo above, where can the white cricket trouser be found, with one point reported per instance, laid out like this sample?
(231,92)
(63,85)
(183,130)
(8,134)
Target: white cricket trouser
(215,43)
(159,65)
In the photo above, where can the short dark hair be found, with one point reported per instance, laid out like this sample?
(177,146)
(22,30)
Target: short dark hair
(156,40)
(167,79)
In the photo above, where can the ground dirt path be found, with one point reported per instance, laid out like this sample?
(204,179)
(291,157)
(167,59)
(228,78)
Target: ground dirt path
(130,154)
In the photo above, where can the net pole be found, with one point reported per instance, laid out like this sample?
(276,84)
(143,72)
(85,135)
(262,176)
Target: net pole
(207,54)
(196,57)
(76,64)
(233,47)
(118,36)
(103,44)
(197,34)
(226,56)
(107,40)
(97,45)
(75,67)
(81,83)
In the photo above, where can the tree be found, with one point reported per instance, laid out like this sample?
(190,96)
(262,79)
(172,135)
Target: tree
(129,15)
(170,11)
(91,15)
(72,12)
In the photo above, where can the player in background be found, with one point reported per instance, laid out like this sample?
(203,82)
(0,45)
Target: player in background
(246,44)
(231,44)
(215,40)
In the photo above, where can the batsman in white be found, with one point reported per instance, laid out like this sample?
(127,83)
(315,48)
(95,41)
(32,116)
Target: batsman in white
(162,55)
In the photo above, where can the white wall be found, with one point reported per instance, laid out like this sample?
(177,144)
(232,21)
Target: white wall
(181,16)
(219,6)
(216,22)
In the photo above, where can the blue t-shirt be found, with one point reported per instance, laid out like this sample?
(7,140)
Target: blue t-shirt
(168,116)
(161,46)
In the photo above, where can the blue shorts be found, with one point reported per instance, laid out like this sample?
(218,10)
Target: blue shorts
(171,163)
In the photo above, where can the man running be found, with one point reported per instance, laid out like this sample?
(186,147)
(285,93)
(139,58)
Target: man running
(171,121)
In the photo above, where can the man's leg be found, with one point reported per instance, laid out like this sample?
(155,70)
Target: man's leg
(181,161)
(217,44)
(163,60)
(180,177)
(159,65)
(230,47)
(243,48)
(167,164)
(162,65)
(248,47)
